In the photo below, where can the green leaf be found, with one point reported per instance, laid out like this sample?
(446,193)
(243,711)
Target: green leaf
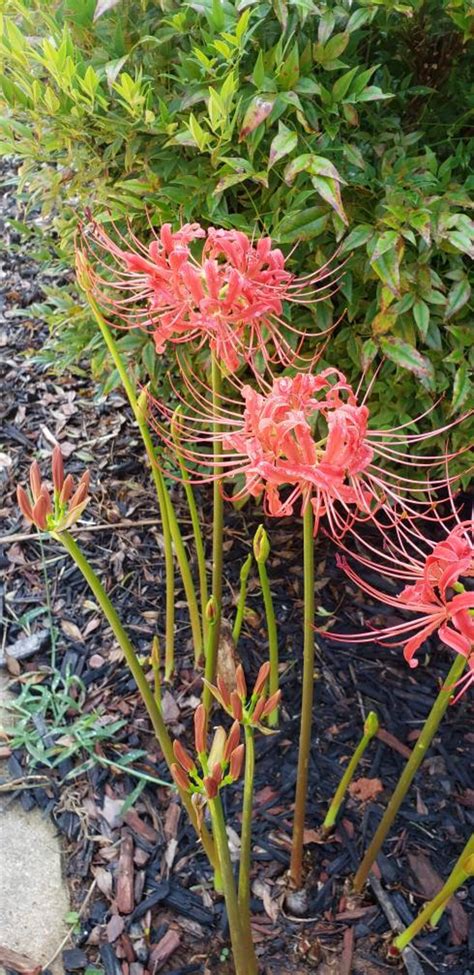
(358,19)
(319,166)
(327,23)
(421,314)
(381,244)
(301,225)
(458,297)
(283,143)
(405,355)
(290,70)
(387,269)
(329,190)
(373,94)
(335,46)
(461,387)
(342,85)
(358,236)
(258,73)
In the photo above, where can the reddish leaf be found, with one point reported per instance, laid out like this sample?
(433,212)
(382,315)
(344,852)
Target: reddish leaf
(258,110)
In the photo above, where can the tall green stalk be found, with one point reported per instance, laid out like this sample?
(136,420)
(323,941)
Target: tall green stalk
(239,616)
(246,831)
(218,507)
(195,521)
(171,531)
(261,551)
(296,865)
(241,937)
(370,729)
(146,693)
(463,870)
(427,734)
(467,852)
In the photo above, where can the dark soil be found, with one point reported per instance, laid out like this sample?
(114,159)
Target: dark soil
(166,918)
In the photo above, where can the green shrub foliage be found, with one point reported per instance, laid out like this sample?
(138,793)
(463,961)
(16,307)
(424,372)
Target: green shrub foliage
(322,124)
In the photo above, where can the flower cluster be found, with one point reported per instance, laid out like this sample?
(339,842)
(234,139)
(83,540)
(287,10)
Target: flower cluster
(436,593)
(247,710)
(64,508)
(310,434)
(219,767)
(229,298)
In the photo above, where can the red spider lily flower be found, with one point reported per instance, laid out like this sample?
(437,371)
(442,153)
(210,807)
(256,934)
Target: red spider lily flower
(230,297)
(310,434)
(64,508)
(436,593)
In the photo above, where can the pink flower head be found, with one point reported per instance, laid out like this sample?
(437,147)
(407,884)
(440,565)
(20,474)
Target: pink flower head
(301,439)
(230,297)
(279,440)
(436,593)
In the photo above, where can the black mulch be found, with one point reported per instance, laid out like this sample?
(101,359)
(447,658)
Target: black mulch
(149,905)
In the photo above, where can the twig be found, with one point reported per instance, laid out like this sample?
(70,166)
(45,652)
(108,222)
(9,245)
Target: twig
(412,964)
(72,928)
(26,782)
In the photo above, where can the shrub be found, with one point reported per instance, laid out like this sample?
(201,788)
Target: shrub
(343,128)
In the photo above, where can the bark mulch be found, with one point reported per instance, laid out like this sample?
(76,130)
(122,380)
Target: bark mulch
(140,885)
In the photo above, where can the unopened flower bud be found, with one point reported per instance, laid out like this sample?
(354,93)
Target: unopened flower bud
(240,682)
(180,777)
(258,710)
(262,678)
(371,725)
(236,762)
(67,489)
(244,572)
(211,610)
(200,722)
(142,403)
(57,467)
(211,787)
(261,545)
(24,503)
(236,706)
(224,691)
(271,704)
(217,772)
(216,753)
(183,757)
(35,480)
(233,740)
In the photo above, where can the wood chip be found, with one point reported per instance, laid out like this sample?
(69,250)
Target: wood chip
(16,962)
(160,953)
(125,875)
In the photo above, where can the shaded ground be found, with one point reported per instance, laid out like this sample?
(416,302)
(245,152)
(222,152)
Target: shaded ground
(170,918)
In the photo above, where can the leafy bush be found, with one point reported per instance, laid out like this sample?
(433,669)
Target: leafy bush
(323,125)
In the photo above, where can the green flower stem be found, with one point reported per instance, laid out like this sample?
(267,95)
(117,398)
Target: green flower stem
(171,531)
(246,833)
(341,790)
(197,533)
(218,512)
(427,734)
(463,870)
(146,693)
(467,852)
(296,864)
(239,616)
(241,938)
(273,677)
(211,613)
